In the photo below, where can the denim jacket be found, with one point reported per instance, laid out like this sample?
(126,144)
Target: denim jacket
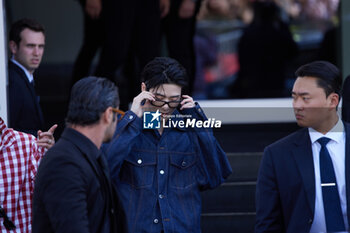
(159,177)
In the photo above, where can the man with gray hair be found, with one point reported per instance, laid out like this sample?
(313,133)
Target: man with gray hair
(73,192)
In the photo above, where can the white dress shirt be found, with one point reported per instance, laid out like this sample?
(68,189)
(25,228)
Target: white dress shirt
(336,148)
(28,74)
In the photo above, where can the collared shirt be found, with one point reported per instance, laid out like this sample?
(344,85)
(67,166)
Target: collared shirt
(28,74)
(19,160)
(336,148)
(159,177)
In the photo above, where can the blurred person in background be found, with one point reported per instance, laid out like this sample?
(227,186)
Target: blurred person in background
(92,38)
(132,32)
(179,28)
(263,52)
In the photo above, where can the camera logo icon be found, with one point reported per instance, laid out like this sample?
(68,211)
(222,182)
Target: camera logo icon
(151,120)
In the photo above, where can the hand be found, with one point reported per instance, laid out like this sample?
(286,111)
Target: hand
(164,7)
(136,106)
(93,8)
(187,9)
(46,139)
(187,102)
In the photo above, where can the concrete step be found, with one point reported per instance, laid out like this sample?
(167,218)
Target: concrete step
(230,197)
(228,222)
(245,166)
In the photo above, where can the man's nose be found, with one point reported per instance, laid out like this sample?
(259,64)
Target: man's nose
(298,104)
(166,107)
(36,50)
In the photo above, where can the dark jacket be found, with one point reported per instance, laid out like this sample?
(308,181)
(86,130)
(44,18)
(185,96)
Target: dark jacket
(286,184)
(72,193)
(159,178)
(25,111)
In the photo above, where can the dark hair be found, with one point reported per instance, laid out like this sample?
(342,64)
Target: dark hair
(90,97)
(18,26)
(164,70)
(328,76)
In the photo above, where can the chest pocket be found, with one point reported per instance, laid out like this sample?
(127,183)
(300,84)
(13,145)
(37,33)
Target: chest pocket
(182,170)
(138,169)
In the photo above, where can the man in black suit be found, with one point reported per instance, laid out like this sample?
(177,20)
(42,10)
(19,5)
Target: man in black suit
(27,42)
(304,179)
(73,192)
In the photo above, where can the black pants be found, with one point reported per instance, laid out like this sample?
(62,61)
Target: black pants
(92,41)
(179,35)
(132,40)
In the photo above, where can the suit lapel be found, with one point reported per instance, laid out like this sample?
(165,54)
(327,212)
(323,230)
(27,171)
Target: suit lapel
(303,156)
(31,90)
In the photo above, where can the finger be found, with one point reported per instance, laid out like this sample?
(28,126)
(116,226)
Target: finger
(148,93)
(46,140)
(53,128)
(143,86)
(188,105)
(147,96)
(43,144)
(185,101)
(39,133)
(46,135)
(186,96)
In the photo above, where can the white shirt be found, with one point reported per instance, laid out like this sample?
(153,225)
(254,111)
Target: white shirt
(336,149)
(28,74)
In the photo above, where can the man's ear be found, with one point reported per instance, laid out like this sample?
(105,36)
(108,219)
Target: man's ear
(334,100)
(13,47)
(107,115)
(143,86)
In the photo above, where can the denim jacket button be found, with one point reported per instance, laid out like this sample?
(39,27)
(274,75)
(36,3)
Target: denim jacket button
(130,117)
(183,164)
(161,172)
(139,161)
(155,220)
(161,196)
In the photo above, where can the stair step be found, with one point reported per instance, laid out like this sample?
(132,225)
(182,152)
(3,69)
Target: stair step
(230,197)
(245,166)
(252,137)
(228,222)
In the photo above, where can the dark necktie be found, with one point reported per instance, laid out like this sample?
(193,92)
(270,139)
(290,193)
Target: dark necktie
(331,200)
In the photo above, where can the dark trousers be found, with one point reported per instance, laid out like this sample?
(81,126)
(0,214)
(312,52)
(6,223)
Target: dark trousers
(132,40)
(92,41)
(179,35)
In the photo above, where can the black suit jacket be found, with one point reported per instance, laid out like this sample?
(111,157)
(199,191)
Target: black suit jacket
(25,111)
(346,100)
(72,192)
(285,196)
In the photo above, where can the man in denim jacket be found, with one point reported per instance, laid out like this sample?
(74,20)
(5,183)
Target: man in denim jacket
(159,173)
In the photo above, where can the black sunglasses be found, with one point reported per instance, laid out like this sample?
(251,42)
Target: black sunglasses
(161,103)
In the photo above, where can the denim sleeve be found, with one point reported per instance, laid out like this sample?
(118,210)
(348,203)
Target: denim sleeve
(214,165)
(120,146)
